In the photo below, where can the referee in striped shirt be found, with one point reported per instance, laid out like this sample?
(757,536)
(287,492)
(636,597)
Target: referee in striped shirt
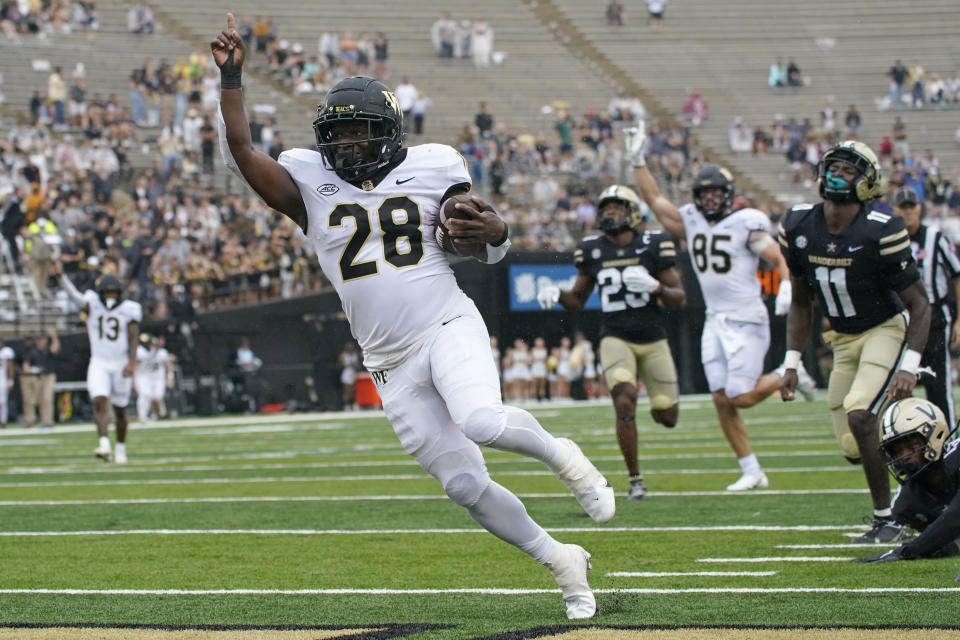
(939,266)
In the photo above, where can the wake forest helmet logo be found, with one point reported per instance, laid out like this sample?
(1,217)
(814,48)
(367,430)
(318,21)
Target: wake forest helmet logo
(392,101)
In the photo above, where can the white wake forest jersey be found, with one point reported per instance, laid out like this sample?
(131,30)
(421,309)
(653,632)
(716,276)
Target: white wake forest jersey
(377,247)
(726,268)
(107,328)
(856,273)
(151,361)
(634,317)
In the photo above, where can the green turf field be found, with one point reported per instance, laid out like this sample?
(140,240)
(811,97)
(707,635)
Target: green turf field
(303,521)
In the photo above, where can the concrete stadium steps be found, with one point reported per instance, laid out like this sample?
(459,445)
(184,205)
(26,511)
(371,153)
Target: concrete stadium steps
(538,69)
(725,49)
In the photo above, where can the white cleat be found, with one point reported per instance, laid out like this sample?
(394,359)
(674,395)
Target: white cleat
(750,481)
(120,457)
(569,564)
(102,453)
(589,487)
(805,384)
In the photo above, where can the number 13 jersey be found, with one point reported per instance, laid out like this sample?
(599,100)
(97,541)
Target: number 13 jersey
(855,274)
(726,268)
(107,328)
(377,247)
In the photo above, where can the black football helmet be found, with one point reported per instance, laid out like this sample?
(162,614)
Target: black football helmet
(109,284)
(365,100)
(864,188)
(713,176)
(626,196)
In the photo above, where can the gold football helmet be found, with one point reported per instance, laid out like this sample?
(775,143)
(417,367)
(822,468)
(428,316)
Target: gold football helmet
(919,422)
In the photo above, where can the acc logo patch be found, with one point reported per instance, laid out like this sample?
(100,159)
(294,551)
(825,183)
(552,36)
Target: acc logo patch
(327,189)
(801,242)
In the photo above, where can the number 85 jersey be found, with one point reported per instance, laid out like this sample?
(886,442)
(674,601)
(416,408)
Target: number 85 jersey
(855,274)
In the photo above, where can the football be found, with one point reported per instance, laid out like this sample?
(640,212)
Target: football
(476,250)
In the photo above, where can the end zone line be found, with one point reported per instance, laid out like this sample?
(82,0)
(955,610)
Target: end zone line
(671,574)
(474,591)
(780,559)
(321,532)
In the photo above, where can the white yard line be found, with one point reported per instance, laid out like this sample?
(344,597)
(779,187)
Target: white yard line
(387,497)
(860,545)
(670,574)
(779,559)
(474,591)
(324,532)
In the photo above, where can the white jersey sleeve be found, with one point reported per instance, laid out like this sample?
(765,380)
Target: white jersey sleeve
(725,266)
(377,247)
(107,328)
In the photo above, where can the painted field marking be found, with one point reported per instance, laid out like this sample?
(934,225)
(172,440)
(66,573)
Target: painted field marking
(324,532)
(476,591)
(377,498)
(838,546)
(780,559)
(670,574)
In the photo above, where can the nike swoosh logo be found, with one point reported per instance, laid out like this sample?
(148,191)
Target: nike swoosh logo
(443,324)
(404,181)
(852,249)
(639,251)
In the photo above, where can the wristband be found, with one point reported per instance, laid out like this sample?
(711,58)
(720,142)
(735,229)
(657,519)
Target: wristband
(230,74)
(503,238)
(910,361)
(791,360)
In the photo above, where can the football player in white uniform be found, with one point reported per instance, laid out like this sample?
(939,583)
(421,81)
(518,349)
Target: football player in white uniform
(154,374)
(113,327)
(6,380)
(368,208)
(725,247)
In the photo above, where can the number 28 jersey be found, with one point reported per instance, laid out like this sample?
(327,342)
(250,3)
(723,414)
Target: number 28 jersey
(107,328)
(377,247)
(856,273)
(634,317)
(726,268)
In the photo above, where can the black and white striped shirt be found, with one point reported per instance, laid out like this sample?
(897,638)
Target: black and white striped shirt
(938,264)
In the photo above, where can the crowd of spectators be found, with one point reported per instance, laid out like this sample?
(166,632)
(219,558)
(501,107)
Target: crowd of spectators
(47,18)
(469,39)
(912,87)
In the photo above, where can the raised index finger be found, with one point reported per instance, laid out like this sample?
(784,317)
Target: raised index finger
(231,23)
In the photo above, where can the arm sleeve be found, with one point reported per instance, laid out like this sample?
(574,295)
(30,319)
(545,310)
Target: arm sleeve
(666,253)
(938,534)
(71,290)
(896,258)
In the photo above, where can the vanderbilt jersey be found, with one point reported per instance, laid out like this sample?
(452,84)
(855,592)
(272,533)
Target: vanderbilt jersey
(151,361)
(107,328)
(855,274)
(377,247)
(726,268)
(634,317)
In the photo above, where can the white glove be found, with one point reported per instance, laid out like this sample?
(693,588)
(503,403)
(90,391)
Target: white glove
(635,140)
(548,297)
(781,306)
(638,280)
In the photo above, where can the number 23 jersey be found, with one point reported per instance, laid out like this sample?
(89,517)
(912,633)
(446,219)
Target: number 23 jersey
(107,328)
(855,274)
(726,268)
(634,317)
(377,247)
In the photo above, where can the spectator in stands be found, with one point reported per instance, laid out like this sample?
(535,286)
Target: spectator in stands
(140,19)
(381,56)
(900,144)
(741,140)
(261,36)
(420,111)
(655,10)
(917,78)
(37,377)
(57,96)
(937,90)
(245,29)
(483,120)
(761,139)
(695,109)
(898,75)
(443,34)
(406,94)
(616,14)
(777,77)
(481,43)
(794,79)
(77,110)
(852,120)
